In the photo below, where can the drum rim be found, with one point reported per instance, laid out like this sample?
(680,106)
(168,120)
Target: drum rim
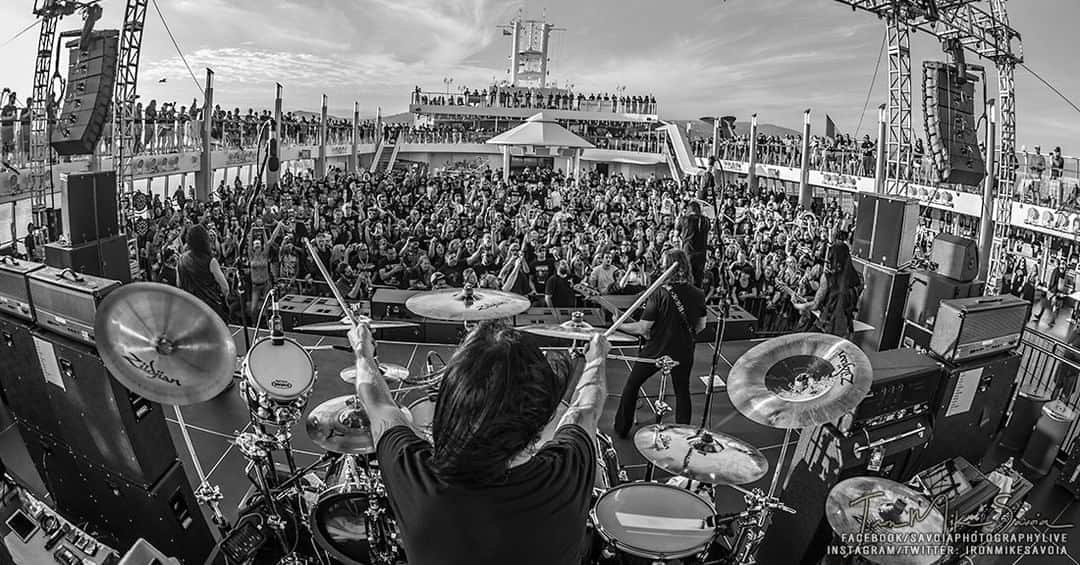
(641,551)
(249,376)
(328,495)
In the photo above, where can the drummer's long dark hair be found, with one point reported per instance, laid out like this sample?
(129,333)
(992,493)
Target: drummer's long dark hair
(497,394)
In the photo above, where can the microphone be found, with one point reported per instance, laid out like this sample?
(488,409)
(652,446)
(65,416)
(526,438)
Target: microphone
(277,331)
(429,367)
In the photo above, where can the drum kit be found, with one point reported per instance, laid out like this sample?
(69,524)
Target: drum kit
(168,347)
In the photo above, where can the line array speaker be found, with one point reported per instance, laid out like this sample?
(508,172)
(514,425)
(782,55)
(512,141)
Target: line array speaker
(949,119)
(91,77)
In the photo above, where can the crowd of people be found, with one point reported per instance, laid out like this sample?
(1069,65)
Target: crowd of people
(539,235)
(539,98)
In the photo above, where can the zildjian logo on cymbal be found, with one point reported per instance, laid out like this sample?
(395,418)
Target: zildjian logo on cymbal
(150,370)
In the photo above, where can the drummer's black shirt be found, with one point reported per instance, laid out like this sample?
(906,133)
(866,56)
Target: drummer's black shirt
(536,517)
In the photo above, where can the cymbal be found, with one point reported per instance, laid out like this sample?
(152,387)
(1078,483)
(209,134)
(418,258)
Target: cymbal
(723,460)
(340,425)
(866,505)
(164,344)
(576,330)
(391,371)
(799,380)
(467,304)
(345,325)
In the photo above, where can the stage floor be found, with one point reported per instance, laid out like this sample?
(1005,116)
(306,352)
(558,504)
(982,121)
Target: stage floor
(214,425)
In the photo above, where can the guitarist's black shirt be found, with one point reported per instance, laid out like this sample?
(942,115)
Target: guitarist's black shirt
(670,334)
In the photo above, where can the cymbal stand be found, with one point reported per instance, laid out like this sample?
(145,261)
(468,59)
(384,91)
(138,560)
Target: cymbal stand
(256,446)
(659,406)
(759,509)
(207,494)
(703,441)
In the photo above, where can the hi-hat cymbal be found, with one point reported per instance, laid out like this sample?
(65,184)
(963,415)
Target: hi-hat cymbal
(467,304)
(392,372)
(576,330)
(345,325)
(718,459)
(164,344)
(340,425)
(868,505)
(800,380)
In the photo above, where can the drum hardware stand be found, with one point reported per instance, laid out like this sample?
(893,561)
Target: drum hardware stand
(207,494)
(659,407)
(255,449)
(703,443)
(759,510)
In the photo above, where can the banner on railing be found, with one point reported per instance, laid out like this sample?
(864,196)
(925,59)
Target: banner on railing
(240,157)
(946,199)
(158,165)
(1045,220)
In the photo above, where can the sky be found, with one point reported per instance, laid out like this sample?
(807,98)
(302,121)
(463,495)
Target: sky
(697,57)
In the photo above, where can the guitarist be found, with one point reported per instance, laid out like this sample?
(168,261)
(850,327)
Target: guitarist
(838,294)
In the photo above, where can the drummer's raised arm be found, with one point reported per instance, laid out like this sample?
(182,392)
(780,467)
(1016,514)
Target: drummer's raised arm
(587,404)
(371,386)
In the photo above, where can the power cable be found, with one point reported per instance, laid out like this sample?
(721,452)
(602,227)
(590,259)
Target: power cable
(1051,87)
(176,45)
(18,35)
(869,91)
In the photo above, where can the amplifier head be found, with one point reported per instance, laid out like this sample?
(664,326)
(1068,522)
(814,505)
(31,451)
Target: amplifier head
(15,287)
(66,302)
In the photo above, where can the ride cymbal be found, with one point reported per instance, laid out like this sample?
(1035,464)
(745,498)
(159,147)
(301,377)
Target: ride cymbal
(467,304)
(343,326)
(164,344)
(800,380)
(340,425)
(872,505)
(392,372)
(709,457)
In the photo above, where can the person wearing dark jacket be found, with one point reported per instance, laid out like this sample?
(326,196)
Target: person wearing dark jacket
(199,273)
(838,294)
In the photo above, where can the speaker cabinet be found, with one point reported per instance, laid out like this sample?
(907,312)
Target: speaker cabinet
(165,512)
(107,258)
(956,257)
(949,119)
(91,77)
(825,456)
(927,291)
(90,208)
(881,305)
(98,418)
(970,409)
(885,228)
(25,390)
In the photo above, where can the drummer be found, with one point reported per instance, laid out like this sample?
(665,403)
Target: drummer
(486,492)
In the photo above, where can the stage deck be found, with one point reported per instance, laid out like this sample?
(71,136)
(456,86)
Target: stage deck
(214,425)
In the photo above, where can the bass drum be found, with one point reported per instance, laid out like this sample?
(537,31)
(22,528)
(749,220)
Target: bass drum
(352,520)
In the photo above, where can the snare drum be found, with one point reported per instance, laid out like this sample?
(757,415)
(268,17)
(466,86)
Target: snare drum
(278,376)
(352,520)
(419,407)
(654,521)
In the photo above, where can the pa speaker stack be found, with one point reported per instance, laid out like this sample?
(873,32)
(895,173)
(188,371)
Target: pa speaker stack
(957,261)
(949,116)
(90,215)
(91,77)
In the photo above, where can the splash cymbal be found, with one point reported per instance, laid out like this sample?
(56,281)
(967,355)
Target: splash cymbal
(164,344)
(717,459)
(467,304)
(800,380)
(392,372)
(576,330)
(868,505)
(340,425)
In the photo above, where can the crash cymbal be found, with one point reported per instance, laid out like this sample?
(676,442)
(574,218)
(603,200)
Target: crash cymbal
(392,372)
(800,380)
(340,425)
(868,505)
(719,459)
(343,326)
(576,330)
(467,304)
(164,344)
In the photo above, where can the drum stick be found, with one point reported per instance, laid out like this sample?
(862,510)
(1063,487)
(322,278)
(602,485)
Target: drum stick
(641,299)
(330,282)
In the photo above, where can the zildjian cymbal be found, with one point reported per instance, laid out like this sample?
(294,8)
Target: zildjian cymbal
(345,325)
(392,372)
(708,457)
(467,304)
(340,425)
(800,380)
(577,330)
(868,505)
(164,344)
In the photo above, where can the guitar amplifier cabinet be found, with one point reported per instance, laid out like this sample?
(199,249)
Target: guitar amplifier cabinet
(969,328)
(66,302)
(15,288)
(881,305)
(928,289)
(25,390)
(905,385)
